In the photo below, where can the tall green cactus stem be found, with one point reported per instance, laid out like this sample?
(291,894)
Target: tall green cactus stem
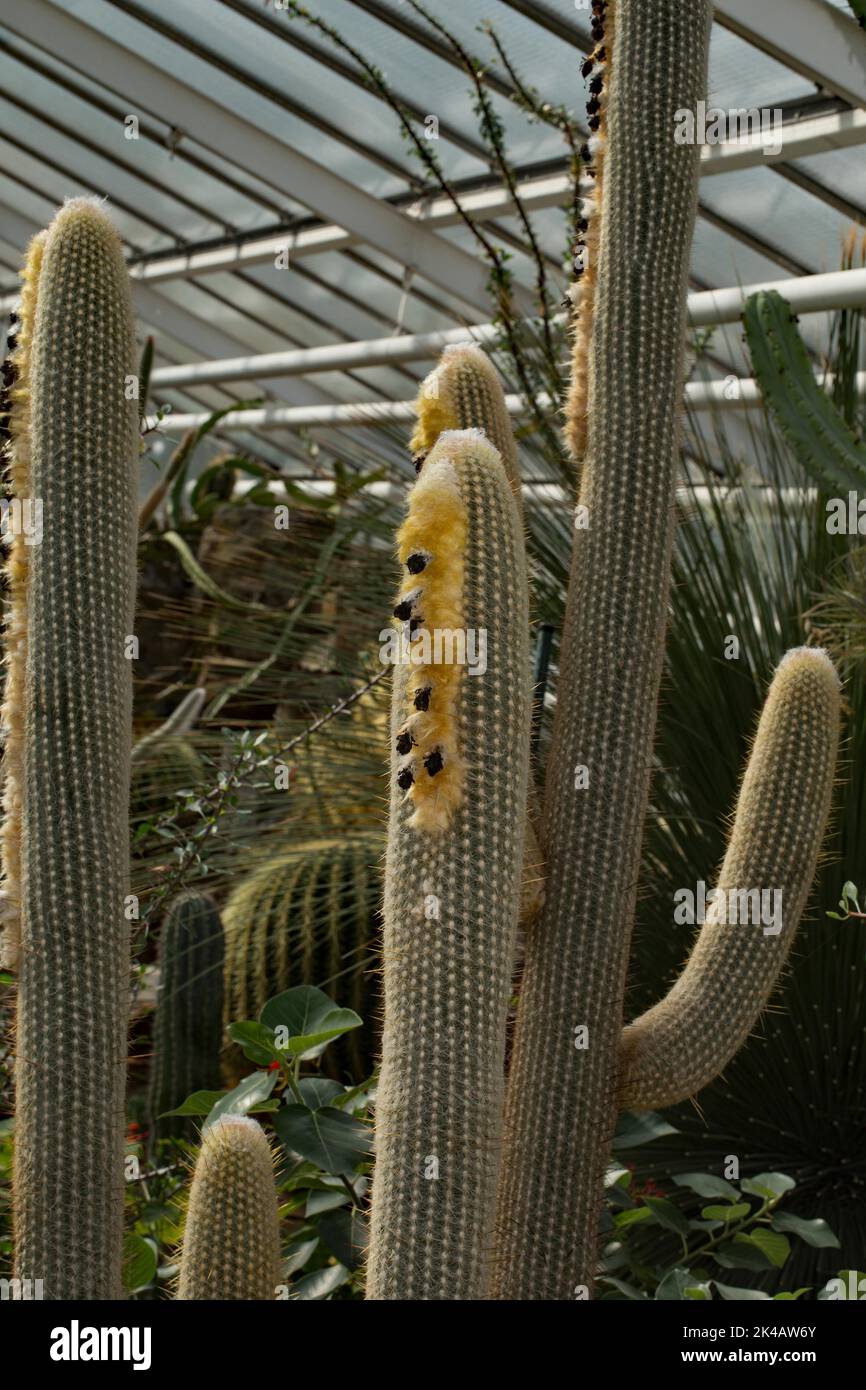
(452,882)
(307,915)
(231,1242)
(73,984)
(188,1022)
(685,1041)
(562,1098)
(818,434)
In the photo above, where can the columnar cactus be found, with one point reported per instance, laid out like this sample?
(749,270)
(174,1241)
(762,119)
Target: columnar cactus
(68,721)
(651,62)
(453,875)
(573,1064)
(188,1022)
(231,1242)
(308,915)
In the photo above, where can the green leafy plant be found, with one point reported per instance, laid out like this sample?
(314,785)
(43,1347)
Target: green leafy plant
(323,1138)
(657,1246)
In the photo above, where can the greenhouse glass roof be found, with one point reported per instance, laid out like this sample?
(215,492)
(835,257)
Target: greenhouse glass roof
(270,203)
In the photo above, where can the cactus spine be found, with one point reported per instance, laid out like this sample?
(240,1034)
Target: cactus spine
(452,883)
(188,1027)
(573,1065)
(231,1243)
(69,710)
(307,915)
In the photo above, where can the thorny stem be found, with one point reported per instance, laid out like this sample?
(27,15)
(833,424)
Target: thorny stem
(500,278)
(216,802)
(491,129)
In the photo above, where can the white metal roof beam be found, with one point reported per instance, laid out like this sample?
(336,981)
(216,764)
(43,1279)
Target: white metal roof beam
(841,130)
(405,240)
(820,42)
(809,294)
(162,313)
(699,395)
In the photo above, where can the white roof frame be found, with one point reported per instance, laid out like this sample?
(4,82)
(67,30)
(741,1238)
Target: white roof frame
(405,240)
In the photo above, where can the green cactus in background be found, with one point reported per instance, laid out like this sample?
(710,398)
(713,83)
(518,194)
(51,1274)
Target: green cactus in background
(308,915)
(68,719)
(440,1141)
(231,1242)
(453,878)
(820,437)
(188,1022)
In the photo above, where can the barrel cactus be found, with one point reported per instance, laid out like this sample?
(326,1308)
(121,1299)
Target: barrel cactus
(308,914)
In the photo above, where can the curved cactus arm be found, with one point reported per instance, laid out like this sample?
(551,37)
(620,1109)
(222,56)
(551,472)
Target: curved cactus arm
(73,979)
(561,1107)
(817,433)
(231,1241)
(684,1042)
(452,879)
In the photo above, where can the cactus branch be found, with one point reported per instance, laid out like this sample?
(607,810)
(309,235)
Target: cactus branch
(686,1040)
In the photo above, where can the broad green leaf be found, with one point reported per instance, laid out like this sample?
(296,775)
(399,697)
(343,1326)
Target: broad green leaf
(707,1185)
(256,1040)
(326,1199)
(668,1215)
(203,1102)
(618,1177)
(674,1284)
(321,1283)
(296,1254)
(305,1020)
(775,1246)
(245,1097)
(199,1103)
(139,1262)
(624,1219)
(333,1140)
(740,1253)
(787,1297)
(735,1294)
(345,1234)
(768,1184)
(730,1213)
(814,1232)
(317,1091)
